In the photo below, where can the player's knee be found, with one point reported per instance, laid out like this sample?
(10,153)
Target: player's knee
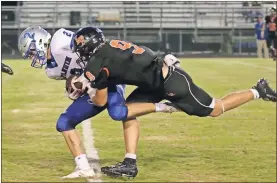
(118,112)
(64,123)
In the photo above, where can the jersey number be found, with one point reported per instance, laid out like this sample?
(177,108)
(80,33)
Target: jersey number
(124,46)
(67,33)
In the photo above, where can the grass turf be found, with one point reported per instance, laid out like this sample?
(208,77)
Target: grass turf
(238,146)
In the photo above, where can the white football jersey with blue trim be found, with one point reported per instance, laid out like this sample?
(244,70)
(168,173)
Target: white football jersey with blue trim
(63,59)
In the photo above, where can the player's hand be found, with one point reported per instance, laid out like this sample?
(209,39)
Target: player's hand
(101,81)
(90,90)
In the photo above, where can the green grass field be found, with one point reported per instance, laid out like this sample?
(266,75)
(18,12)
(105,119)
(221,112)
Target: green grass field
(238,146)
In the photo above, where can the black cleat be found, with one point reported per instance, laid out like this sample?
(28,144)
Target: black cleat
(127,168)
(6,69)
(264,90)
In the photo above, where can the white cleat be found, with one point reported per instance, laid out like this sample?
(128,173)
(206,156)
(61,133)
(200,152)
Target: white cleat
(80,173)
(170,108)
(171,60)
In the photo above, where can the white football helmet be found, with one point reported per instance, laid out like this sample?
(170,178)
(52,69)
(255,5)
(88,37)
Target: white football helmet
(33,44)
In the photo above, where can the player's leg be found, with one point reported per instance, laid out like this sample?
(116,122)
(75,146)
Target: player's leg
(128,166)
(236,99)
(141,102)
(195,101)
(131,137)
(116,103)
(118,110)
(139,107)
(80,110)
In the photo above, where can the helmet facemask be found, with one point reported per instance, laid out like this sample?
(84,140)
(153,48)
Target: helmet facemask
(82,49)
(33,44)
(38,56)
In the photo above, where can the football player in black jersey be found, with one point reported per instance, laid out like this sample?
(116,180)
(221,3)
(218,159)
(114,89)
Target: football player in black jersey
(121,62)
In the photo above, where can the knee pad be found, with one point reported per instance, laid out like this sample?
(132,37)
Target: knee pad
(64,123)
(118,112)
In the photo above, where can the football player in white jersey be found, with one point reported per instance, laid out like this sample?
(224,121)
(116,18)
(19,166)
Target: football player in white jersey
(36,44)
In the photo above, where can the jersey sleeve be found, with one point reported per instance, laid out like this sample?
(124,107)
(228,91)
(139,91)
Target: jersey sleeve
(93,68)
(52,74)
(97,73)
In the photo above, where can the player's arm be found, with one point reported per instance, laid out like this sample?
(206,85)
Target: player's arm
(101,97)
(98,90)
(53,71)
(98,75)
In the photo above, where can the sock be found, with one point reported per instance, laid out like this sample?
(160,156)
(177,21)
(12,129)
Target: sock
(160,107)
(131,156)
(82,162)
(255,93)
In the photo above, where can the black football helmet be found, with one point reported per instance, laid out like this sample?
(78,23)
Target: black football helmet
(93,38)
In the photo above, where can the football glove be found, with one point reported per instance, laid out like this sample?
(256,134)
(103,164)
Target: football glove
(101,81)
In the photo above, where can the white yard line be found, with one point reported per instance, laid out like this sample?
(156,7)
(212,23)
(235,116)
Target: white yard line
(91,152)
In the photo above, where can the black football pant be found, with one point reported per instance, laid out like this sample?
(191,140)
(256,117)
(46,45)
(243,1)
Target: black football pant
(179,89)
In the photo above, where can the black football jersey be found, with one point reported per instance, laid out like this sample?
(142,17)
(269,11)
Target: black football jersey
(125,63)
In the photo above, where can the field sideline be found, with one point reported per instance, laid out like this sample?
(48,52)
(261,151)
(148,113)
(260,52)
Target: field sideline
(239,146)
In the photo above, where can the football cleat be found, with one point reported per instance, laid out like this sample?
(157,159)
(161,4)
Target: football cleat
(80,173)
(6,69)
(171,60)
(127,168)
(264,90)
